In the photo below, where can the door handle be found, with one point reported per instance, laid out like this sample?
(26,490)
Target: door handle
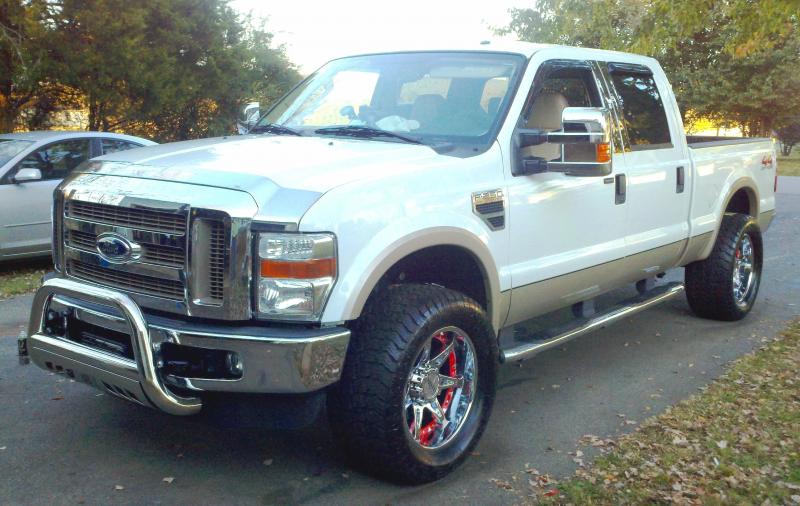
(680,180)
(620,188)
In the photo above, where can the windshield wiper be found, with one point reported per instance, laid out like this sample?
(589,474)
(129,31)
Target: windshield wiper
(364,132)
(274,128)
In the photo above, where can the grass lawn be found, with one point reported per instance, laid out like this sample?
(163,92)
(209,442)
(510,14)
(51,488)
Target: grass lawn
(737,442)
(789,166)
(20,277)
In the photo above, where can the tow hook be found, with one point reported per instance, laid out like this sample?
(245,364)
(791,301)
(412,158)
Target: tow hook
(22,348)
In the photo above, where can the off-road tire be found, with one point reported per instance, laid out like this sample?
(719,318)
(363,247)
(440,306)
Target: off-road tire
(365,407)
(709,282)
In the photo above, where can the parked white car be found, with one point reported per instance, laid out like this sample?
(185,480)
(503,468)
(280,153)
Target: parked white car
(379,228)
(31,166)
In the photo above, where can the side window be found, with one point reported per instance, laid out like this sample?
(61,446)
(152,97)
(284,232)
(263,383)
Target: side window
(643,111)
(561,87)
(114,145)
(58,159)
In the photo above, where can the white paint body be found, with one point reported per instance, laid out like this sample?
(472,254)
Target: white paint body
(384,200)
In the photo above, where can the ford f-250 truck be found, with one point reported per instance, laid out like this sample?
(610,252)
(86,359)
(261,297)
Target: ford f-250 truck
(373,233)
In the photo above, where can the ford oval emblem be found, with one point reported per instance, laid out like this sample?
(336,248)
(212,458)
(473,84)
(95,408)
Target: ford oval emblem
(116,248)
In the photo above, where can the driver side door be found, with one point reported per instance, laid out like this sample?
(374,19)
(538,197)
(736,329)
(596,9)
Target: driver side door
(567,232)
(25,208)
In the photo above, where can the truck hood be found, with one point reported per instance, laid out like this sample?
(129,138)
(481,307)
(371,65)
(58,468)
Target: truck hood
(250,162)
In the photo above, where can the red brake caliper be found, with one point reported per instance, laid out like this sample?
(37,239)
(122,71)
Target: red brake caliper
(426,433)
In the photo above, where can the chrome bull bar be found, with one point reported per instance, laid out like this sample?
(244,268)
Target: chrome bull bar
(116,370)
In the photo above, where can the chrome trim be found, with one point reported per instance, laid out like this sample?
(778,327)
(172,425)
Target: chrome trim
(41,345)
(286,359)
(234,208)
(485,206)
(528,350)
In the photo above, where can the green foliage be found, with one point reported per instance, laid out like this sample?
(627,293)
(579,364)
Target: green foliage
(789,135)
(734,61)
(164,69)
(24,57)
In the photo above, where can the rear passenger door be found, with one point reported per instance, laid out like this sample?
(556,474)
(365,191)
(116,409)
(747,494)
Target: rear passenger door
(656,163)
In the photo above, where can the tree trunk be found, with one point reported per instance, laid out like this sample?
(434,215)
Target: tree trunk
(7,120)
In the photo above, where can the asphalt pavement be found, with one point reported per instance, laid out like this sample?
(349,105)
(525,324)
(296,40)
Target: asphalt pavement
(64,443)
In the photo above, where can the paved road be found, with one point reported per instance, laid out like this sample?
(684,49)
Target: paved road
(63,443)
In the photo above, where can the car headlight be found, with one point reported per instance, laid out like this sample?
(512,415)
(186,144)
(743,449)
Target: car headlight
(295,274)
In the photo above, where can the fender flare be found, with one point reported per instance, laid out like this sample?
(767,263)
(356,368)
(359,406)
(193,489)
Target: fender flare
(436,236)
(746,183)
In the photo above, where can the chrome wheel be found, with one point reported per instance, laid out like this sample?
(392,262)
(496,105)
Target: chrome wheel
(440,388)
(744,275)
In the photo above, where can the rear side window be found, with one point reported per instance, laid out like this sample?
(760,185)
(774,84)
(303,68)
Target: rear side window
(643,110)
(114,145)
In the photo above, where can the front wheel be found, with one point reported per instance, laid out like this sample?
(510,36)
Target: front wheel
(418,383)
(724,286)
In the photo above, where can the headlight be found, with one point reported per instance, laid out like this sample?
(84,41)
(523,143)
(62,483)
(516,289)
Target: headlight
(295,274)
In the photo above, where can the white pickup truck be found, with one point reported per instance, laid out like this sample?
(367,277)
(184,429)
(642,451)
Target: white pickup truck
(374,232)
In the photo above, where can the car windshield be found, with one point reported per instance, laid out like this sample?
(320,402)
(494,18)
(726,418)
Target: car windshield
(428,97)
(9,148)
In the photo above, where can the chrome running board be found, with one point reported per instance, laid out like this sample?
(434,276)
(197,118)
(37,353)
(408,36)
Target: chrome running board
(656,296)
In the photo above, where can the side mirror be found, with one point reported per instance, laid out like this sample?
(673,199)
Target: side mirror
(248,117)
(27,175)
(587,126)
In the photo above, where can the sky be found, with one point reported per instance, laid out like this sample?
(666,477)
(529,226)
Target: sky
(317,31)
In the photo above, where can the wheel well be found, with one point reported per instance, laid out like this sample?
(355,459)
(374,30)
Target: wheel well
(452,267)
(741,202)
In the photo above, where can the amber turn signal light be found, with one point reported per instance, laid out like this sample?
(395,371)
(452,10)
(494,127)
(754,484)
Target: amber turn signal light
(603,153)
(305,269)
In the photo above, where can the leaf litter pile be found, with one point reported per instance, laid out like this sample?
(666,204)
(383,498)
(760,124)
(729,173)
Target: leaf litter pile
(737,442)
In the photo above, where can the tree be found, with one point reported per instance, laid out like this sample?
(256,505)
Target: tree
(729,60)
(789,135)
(24,57)
(167,69)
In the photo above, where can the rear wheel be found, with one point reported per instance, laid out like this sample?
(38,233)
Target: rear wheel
(418,384)
(725,285)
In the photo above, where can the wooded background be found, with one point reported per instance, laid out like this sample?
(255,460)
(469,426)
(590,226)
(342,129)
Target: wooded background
(164,69)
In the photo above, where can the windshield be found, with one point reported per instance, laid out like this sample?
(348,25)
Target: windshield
(9,148)
(429,97)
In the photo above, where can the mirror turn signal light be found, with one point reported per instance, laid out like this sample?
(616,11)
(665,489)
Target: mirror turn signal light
(603,153)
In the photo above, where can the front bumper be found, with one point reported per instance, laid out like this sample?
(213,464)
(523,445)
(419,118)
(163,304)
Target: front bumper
(270,359)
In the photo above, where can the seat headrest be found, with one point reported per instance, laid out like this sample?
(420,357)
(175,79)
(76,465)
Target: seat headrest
(546,111)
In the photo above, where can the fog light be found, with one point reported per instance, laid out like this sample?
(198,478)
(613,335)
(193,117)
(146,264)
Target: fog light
(233,363)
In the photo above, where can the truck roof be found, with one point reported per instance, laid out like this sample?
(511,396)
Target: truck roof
(527,49)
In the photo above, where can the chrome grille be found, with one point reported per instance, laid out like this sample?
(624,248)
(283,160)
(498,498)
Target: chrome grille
(143,219)
(151,253)
(137,283)
(216,267)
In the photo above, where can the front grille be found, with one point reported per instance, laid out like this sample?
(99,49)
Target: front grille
(151,253)
(216,263)
(144,219)
(137,283)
